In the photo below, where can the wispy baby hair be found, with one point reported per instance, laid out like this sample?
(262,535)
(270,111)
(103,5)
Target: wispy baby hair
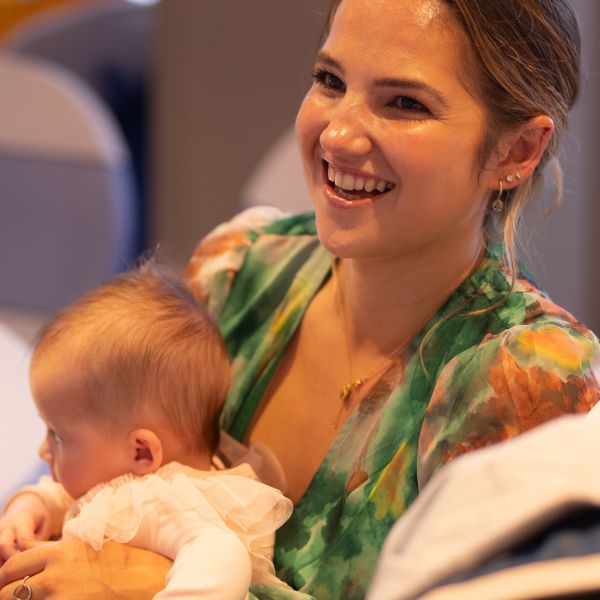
(147,351)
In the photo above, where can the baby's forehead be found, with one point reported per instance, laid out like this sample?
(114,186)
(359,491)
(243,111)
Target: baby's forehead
(63,364)
(66,349)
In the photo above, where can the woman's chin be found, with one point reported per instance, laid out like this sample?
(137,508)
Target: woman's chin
(342,242)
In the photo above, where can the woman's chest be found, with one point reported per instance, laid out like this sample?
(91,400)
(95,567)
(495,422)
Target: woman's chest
(301,412)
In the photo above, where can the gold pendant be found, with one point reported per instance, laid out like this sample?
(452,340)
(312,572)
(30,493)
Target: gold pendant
(349,388)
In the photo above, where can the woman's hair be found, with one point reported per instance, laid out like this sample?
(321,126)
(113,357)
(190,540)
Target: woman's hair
(147,352)
(525,63)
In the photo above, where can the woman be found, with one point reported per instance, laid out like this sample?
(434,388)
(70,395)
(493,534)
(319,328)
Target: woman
(396,340)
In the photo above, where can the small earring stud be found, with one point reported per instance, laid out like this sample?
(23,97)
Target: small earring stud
(509,178)
(518,175)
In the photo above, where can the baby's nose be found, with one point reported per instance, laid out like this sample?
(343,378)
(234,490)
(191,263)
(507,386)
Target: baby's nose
(44,451)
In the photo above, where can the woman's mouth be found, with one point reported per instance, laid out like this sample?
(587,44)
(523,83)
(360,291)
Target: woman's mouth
(350,186)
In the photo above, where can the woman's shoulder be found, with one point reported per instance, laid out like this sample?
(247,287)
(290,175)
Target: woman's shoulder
(513,300)
(221,254)
(533,322)
(535,363)
(526,340)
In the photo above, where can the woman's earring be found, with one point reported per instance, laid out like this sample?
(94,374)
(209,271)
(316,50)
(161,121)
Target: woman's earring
(518,175)
(498,203)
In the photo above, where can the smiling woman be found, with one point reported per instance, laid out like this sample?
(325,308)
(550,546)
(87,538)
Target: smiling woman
(381,337)
(404,121)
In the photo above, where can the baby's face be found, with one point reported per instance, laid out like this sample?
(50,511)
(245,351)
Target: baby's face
(81,451)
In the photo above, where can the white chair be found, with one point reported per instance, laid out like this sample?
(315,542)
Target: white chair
(67,217)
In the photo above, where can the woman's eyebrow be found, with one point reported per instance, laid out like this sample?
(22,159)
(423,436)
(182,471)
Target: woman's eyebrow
(325,58)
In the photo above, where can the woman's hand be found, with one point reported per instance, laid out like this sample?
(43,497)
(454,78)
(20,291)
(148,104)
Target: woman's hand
(71,569)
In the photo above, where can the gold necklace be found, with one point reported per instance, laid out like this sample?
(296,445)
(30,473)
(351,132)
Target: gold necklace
(356,383)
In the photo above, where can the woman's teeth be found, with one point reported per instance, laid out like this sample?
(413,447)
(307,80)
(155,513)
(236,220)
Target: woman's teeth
(350,183)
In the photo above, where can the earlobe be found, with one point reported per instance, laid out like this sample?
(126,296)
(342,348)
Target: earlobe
(146,451)
(526,147)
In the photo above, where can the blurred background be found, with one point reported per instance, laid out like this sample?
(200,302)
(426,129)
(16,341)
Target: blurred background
(127,124)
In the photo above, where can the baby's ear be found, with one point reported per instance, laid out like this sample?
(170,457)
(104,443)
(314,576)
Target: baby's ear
(146,451)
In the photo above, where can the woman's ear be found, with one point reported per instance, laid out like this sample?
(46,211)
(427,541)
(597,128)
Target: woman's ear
(520,151)
(146,451)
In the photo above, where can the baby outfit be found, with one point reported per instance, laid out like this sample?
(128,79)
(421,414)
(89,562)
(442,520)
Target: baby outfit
(217,526)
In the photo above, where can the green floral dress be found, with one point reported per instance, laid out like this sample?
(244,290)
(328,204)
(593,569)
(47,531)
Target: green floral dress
(466,381)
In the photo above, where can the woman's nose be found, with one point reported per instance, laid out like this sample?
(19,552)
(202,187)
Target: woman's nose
(346,133)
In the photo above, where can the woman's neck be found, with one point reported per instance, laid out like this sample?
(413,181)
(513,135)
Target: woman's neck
(388,301)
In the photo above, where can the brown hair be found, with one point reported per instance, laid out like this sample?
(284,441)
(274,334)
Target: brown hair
(526,63)
(146,350)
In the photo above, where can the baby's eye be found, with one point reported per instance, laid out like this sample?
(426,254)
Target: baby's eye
(410,104)
(54,436)
(328,80)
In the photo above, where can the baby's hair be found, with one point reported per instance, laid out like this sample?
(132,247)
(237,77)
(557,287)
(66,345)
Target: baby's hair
(147,352)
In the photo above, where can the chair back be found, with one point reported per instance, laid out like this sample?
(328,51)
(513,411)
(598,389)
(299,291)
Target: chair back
(67,216)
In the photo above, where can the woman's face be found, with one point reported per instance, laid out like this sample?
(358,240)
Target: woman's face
(389,120)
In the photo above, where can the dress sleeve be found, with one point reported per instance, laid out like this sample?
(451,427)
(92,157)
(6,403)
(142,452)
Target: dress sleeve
(506,385)
(220,255)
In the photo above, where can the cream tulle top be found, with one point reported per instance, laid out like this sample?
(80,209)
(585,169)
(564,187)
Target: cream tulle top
(164,510)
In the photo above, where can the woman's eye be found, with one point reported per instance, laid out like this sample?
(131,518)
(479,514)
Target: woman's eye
(328,80)
(410,104)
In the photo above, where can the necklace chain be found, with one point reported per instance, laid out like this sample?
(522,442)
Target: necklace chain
(354,384)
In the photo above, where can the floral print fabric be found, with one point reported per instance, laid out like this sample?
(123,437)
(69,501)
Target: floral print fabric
(491,363)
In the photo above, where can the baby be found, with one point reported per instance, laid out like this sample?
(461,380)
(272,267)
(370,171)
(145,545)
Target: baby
(130,381)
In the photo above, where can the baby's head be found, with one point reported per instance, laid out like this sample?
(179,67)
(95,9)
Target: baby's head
(130,377)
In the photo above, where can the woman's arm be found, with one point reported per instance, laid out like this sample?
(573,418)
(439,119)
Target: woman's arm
(506,385)
(71,569)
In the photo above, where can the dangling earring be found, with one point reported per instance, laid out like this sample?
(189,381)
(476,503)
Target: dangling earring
(498,203)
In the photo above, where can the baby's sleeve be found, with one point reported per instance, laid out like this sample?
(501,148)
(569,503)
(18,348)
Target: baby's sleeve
(508,384)
(214,564)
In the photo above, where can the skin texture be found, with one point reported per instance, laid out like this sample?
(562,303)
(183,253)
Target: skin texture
(70,570)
